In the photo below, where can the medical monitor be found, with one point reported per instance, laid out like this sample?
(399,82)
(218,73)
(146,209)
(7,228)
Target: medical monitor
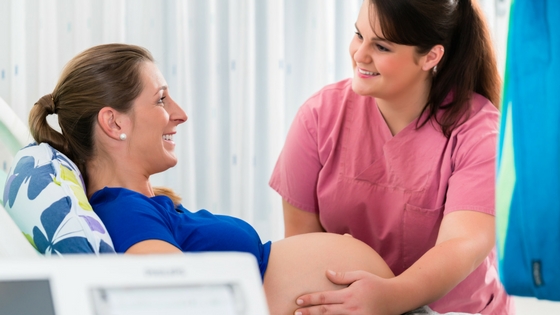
(175,284)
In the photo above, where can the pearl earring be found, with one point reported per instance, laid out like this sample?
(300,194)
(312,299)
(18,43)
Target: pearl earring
(122,136)
(434,70)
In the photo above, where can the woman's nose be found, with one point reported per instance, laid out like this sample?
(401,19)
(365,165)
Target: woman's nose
(362,54)
(177,114)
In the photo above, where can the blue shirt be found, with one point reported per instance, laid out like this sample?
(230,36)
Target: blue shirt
(131,217)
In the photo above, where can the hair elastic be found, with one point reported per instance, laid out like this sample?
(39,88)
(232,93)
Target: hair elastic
(47,101)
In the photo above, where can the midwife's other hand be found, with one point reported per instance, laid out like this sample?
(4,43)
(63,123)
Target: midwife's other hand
(366,294)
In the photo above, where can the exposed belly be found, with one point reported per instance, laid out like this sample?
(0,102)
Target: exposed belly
(298,265)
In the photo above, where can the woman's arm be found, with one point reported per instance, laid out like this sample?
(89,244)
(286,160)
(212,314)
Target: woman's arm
(297,221)
(152,247)
(465,240)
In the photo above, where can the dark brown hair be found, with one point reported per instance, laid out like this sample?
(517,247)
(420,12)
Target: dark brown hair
(104,75)
(469,62)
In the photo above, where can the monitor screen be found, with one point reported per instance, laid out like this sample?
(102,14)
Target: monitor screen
(169,300)
(25,297)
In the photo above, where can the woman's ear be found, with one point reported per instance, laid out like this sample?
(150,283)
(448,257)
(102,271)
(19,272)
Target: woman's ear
(433,57)
(111,122)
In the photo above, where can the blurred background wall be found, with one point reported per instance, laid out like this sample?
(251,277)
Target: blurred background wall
(239,68)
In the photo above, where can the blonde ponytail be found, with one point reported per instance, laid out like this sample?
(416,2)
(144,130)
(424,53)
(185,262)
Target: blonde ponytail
(164,191)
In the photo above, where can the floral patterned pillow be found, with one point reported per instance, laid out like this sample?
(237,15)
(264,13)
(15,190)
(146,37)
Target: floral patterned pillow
(45,196)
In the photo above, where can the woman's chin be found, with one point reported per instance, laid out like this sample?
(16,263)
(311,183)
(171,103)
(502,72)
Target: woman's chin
(360,88)
(170,161)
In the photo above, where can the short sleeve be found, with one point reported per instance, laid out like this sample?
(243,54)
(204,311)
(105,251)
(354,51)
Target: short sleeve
(139,220)
(297,170)
(472,182)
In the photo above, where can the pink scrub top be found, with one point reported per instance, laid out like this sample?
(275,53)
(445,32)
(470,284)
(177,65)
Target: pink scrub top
(341,161)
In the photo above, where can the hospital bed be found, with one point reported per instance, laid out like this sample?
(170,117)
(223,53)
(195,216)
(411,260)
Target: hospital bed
(217,283)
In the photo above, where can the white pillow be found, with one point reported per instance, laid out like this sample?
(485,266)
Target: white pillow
(45,195)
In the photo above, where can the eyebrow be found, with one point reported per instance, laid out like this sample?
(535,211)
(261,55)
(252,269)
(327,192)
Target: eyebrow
(163,88)
(373,38)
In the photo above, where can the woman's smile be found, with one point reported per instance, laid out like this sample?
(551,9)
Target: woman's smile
(362,73)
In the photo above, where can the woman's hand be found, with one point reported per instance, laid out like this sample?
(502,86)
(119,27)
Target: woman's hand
(366,294)
(465,239)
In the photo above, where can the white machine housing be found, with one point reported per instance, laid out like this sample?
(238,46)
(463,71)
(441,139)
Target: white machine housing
(217,283)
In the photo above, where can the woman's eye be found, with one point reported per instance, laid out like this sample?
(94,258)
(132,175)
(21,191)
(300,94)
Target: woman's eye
(381,48)
(359,35)
(160,101)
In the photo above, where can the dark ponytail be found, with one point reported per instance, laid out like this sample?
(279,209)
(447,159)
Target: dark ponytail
(469,66)
(469,62)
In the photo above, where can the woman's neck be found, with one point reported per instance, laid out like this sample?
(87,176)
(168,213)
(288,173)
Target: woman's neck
(403,109)
(104,173)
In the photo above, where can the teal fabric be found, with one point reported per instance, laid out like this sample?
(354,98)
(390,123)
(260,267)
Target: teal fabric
(528,170)
(45,196)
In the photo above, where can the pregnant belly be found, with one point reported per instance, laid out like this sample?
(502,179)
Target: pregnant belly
(298,265)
